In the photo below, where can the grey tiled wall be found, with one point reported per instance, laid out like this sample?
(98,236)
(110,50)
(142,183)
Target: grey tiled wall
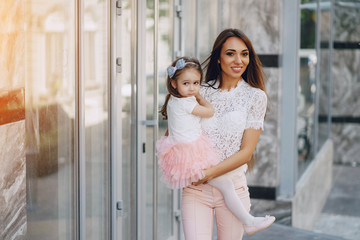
(346,83)
(12,181)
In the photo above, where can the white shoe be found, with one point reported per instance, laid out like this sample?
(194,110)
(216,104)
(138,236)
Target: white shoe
(250,229)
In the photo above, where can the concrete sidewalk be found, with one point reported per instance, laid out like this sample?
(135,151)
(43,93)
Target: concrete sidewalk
(341,213)
(282,232)
(340,217)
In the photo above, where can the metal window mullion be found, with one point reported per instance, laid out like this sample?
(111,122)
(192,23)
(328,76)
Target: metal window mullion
(113,126)
(289,91)
(76,128)
(134,127)
(220,16)
(141,114)
(181,44)
(155,117)
(317,80)
(331,52)
(197,17)
(177,33)
(82,172)
(79,123)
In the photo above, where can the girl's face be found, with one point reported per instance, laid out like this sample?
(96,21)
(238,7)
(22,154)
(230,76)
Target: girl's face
(188,82)
(234,58)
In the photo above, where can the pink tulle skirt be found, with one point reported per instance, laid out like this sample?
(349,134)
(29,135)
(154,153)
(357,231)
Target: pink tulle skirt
(182,163)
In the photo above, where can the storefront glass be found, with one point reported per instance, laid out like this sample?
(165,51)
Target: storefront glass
(189,30)
(50,119)
(324,76)
(126,177)
(207,13)
(166,197)
(67,126)
(95,104)
(307,84)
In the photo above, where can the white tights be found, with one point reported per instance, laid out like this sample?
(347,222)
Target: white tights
(225,185)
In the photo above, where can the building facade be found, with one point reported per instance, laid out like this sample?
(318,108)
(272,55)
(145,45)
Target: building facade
(81,83)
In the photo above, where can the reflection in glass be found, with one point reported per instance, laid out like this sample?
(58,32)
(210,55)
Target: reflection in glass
(324,64)
(206,35)
(307,84)
(308,24)
(189,32)
(126,120)
(50,114)
(97,163)
(148,91)
(165,195)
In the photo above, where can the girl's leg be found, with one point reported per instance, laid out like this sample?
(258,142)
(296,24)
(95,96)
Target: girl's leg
(226,186)
(229,227)
(197,212)
(251,224)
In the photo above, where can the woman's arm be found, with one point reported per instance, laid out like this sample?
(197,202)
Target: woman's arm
(249,141)
(204,109)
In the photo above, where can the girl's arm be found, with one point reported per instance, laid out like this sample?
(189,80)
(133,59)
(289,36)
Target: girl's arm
(250,139)
(204,109)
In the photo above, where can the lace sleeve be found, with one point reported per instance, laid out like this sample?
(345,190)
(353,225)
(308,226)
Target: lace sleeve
(257,110)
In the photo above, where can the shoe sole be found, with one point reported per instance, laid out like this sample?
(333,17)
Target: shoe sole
(261,228)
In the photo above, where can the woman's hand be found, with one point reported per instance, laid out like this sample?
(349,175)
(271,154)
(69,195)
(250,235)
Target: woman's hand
(204,180)
(250,139)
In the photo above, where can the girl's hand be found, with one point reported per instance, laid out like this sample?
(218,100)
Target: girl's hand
(198,96)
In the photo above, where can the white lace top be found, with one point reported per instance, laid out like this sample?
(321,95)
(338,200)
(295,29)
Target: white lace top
(239,108)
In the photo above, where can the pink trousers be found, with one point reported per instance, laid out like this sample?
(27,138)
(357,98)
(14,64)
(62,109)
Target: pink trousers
(199,204)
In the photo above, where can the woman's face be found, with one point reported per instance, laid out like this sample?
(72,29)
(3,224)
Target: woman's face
(234,58)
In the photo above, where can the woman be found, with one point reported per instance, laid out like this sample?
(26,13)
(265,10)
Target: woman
(235,87)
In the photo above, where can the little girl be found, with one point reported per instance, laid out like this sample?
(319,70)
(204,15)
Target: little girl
(185,152)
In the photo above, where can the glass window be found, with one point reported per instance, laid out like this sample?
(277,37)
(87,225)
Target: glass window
(165,46)
(95,80)
(189,27)
(324,76)
(50,116)
(207,33)
(148,92)
(307,83)
(127,139)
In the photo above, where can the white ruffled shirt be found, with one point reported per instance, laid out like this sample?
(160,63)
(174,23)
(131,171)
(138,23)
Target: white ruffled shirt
(236,110)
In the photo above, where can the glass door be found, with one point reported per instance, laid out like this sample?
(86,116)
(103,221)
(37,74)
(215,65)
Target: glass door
(51,102)
(123,119)
(142,50)
(67,119)
(94,120)
(161,204)
(168,204)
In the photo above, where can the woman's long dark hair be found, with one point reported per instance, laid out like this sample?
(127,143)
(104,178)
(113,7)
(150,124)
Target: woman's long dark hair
(253,74)
(171,89)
